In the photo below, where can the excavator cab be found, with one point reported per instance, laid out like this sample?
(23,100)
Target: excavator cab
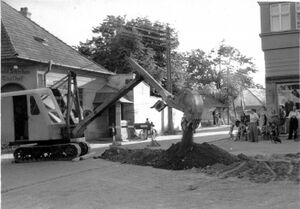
(33,120)
(30,115)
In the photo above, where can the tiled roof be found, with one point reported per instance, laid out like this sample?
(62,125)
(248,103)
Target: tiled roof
(22,38)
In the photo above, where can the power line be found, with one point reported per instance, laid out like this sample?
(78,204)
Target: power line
(150,30)
(125,31)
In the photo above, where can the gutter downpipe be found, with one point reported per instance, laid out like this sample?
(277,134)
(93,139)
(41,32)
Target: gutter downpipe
(48,70)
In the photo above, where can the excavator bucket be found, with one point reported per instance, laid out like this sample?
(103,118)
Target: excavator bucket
(191,103)
(159,105)
(188,101)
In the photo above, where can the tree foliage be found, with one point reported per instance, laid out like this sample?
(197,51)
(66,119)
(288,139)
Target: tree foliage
(115,38)
(223,72)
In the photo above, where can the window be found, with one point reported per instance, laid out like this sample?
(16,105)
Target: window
(280,17)
(47,100)
(298,15)
(34,109)
(50,106)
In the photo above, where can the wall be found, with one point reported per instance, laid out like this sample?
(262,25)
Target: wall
(142,109)
(24,75)
(282,59)
(282,54)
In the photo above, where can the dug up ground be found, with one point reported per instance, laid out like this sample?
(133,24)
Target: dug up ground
(230,175)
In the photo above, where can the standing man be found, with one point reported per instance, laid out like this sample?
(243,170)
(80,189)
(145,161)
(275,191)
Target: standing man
(263,123)
(253,132)
(282,117)
(293,116)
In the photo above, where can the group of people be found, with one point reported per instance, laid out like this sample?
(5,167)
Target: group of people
(247,126)
(293,117)
(252,124)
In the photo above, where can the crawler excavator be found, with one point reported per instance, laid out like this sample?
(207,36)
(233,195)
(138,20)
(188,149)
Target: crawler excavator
(56,127)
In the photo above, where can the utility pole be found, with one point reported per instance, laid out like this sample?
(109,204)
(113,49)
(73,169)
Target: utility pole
(169,81)
(228,112)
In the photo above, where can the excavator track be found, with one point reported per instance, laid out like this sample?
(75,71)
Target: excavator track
(85,148)
(55,152)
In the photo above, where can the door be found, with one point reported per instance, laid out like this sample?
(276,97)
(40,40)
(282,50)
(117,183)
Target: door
(20,117)
(111,118)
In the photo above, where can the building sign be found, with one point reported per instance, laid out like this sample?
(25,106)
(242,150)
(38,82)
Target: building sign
(13,74)
(289,95)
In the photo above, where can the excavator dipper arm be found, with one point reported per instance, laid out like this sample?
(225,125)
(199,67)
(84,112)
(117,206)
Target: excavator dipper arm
(166,95)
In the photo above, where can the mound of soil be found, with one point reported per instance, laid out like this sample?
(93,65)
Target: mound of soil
(212,160)
(259,169)
(198,156)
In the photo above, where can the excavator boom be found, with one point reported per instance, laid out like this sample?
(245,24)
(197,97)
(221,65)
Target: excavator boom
(188,101)
(64,141)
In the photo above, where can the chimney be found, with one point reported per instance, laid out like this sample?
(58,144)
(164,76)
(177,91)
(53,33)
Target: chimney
(24,12)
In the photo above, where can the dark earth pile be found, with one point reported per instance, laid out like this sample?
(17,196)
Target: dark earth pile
(212,160)
(198,155)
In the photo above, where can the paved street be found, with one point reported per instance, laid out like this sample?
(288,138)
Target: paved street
(96,183)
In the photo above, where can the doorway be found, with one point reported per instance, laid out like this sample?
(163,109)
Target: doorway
(20,117)
(11,87)
(111,118)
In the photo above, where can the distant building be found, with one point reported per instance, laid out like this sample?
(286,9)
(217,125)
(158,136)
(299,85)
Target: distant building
(250,98)
(213,109)
(280,35)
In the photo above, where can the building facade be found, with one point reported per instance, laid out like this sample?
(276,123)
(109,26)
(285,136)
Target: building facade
(143,101)
(280,37)
(31,58)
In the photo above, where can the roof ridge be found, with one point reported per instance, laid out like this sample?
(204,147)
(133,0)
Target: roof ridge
(81,67)
(3,30)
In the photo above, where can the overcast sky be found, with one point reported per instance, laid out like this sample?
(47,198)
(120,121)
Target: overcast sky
(200,24)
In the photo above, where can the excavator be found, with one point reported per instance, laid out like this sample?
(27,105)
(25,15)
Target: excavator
(58,121)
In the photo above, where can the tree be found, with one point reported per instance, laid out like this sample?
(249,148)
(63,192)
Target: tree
(115,38)
(223,72)
(199,68)
(235,69)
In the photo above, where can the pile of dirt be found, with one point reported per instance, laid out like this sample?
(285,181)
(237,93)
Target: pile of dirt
(260,169)
(198,156)
(212,160)
(147,157)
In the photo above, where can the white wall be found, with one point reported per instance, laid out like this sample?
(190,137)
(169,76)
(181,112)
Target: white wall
(142,109)
(25,76)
